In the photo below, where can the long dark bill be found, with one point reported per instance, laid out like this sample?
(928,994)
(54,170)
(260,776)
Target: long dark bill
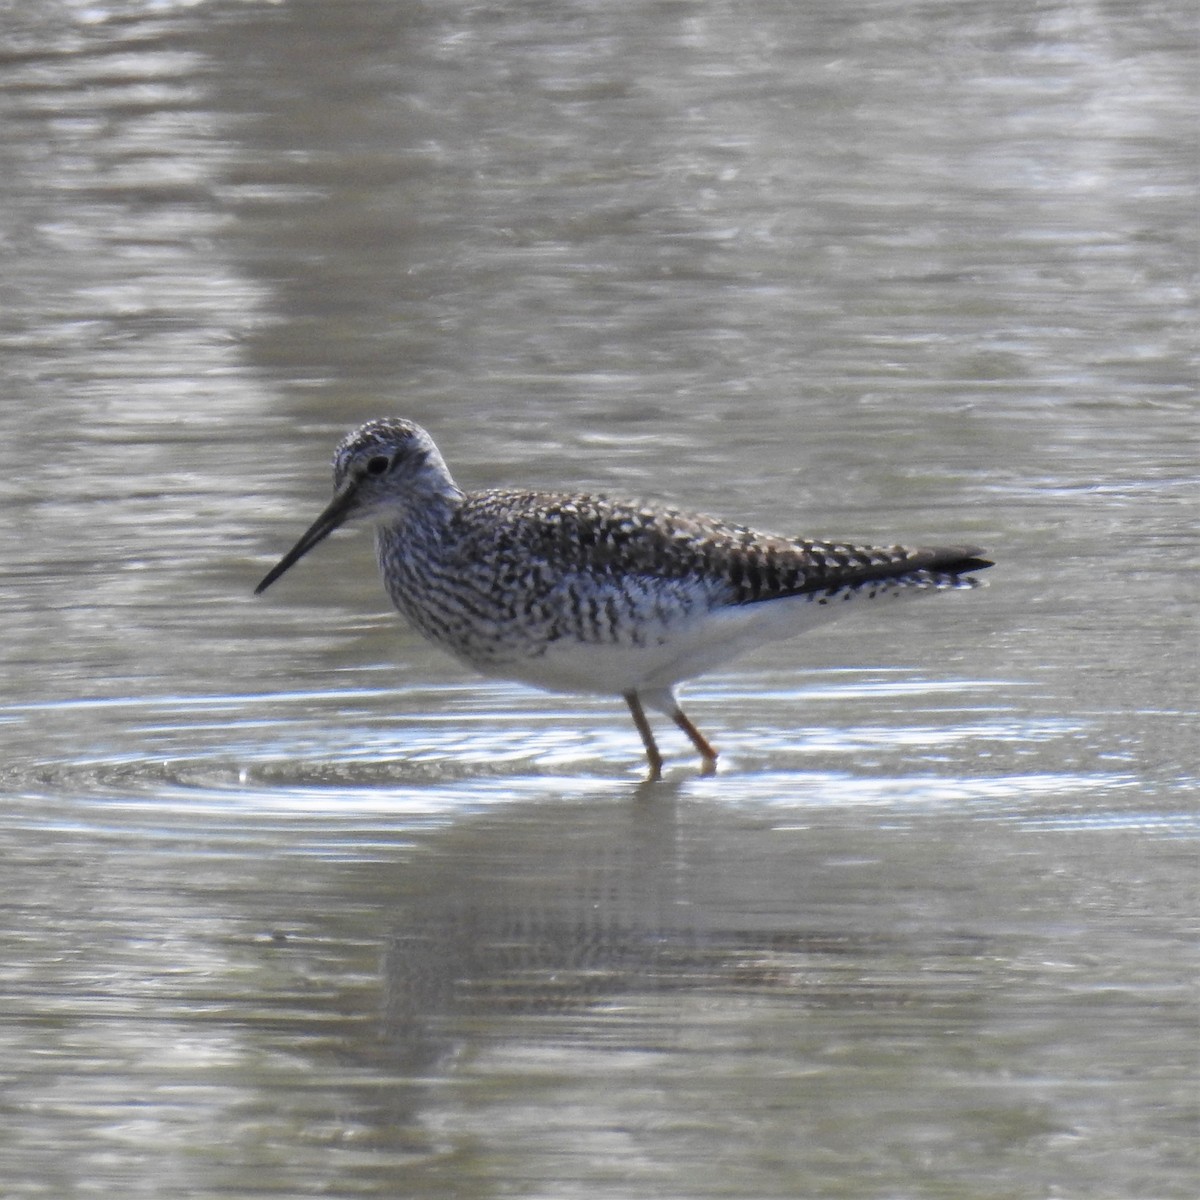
(335,514)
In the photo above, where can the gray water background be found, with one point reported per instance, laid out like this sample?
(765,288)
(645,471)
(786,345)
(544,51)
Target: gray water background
(293,906)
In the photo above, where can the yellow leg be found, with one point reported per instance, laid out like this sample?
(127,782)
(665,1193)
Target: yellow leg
(708,755)
(643,727)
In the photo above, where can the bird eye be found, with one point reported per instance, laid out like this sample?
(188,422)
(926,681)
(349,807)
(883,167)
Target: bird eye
(377,465)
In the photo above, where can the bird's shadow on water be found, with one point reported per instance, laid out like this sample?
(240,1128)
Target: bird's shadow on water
(547,910)
(569,914)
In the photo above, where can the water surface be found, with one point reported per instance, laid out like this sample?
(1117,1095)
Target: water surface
(295,906)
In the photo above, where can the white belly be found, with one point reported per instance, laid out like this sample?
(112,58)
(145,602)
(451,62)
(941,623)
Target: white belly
(670,653)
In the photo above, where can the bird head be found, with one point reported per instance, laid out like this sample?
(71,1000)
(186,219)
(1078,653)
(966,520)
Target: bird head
(383,469)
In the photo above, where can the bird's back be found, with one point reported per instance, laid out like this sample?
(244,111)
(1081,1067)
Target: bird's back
(602,538)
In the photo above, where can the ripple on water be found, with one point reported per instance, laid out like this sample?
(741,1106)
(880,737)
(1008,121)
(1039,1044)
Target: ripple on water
(417,754)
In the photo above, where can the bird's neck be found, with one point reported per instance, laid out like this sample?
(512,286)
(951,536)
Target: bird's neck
(420,517)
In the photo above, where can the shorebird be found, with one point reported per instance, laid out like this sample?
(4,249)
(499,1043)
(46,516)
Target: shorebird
(582,593)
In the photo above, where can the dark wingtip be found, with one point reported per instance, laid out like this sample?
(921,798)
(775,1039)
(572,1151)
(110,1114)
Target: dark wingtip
(962,560)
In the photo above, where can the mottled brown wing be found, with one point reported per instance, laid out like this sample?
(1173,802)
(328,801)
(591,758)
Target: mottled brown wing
(599,535)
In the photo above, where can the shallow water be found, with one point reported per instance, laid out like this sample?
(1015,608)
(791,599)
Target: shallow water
(294,906)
